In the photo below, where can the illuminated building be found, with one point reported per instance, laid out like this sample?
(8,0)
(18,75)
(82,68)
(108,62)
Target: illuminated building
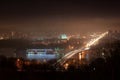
(41,54)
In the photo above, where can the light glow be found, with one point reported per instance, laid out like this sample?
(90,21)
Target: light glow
(86,47)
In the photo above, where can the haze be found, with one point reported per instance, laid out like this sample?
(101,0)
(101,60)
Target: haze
(59,16)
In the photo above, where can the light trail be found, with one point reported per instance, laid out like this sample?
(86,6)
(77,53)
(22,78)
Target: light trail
(86,47)
(93,41)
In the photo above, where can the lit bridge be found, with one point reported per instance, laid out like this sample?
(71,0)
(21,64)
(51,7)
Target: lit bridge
(86,47)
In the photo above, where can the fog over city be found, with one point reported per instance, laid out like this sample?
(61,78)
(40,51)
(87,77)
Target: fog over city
(59,40)
(59,16)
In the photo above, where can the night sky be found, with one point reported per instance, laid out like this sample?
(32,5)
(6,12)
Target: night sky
(59,16)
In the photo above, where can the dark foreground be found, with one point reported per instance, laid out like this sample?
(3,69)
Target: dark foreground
(13,75)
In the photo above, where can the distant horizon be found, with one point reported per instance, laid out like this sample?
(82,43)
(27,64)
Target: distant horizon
(59,16)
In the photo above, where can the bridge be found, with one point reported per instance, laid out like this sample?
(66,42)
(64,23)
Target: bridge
(86,47)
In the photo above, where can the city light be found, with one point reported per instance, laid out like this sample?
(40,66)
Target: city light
(59,40)
(94,41)
(86,47)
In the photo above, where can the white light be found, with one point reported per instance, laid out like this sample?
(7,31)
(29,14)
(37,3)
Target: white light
(103,54)
(87,46)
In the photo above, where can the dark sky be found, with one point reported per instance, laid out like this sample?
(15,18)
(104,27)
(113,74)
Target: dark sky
(59,15)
